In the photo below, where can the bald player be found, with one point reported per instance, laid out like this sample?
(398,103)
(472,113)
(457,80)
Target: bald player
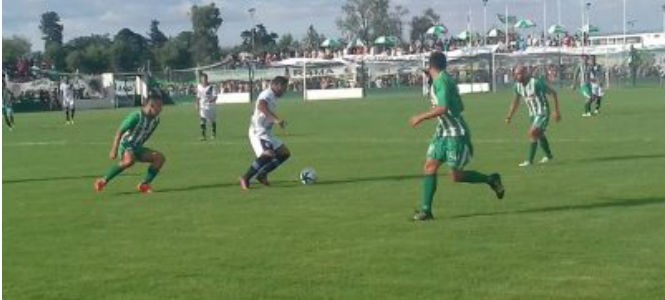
(534,94)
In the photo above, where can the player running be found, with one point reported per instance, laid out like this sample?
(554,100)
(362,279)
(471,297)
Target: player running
(206,97)
(451,143)
(583,74)
(534,93)
(67,93)
(270,151)
(596,84)
(128,142)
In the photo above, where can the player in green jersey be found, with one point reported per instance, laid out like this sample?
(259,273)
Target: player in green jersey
(534,93)
(451,143)
(128,142)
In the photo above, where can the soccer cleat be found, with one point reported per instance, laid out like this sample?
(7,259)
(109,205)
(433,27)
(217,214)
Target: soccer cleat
(263,180)
(496,185)
(546,160)
(144,188)
(244,183)
(595,112)
(100,184)
(203,139)
(525,163)
(423,216)
(586,115)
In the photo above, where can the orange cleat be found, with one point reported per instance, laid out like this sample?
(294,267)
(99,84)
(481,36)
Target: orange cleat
(100,184)
(144,188)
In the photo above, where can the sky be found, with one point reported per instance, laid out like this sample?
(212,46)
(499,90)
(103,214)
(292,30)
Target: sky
(84,17)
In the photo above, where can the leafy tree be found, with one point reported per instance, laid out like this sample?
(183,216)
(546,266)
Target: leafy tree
(420,24)
(129,51)
(258,40)
(287,43)
(369,19)
(157,37)
(175,54)
(312,39)
(206,20)
(12,49)
(52,29)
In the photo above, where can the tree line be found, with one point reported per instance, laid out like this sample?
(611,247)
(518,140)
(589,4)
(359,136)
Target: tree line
(127,51)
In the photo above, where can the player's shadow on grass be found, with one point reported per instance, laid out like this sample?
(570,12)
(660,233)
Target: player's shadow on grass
(42,179)
(370,179)
(280,183)
(187,188)
(617,203)
(622,157)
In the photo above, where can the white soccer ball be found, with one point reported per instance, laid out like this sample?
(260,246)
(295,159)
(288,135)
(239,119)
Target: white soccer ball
(308,176)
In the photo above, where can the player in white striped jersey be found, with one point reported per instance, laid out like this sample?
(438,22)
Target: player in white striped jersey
(206,97)
(534,93)
(67,94)
(269,150)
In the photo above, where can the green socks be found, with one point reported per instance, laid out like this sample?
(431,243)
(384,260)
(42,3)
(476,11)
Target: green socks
(545,145)
(474,177)
(150,176)
(429,188)
(113,172)
(532,151)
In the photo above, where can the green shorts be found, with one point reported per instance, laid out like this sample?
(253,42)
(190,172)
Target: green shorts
(137,151)
(540,122)
(585,89)
(456,152)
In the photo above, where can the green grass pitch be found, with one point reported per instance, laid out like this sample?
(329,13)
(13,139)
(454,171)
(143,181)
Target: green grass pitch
(590,225)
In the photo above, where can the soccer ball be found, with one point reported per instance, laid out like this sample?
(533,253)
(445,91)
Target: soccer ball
(308,176)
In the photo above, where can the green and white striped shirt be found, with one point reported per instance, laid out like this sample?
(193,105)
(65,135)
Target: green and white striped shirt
(534,94)
(444,92)
(137,128)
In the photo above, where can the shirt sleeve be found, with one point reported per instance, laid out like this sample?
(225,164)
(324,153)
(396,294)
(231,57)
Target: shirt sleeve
(130,122)
(441,92)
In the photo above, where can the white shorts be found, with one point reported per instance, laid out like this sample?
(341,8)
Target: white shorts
(209,115)
(263,141)
(597,90)
(68,105)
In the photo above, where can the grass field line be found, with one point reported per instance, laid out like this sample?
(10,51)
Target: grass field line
(297,140)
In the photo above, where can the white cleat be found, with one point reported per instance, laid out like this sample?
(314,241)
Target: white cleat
(545,160)
(525,164)
(586,115)
(595,112)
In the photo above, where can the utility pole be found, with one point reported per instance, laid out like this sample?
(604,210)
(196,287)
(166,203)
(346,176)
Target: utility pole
(485,21)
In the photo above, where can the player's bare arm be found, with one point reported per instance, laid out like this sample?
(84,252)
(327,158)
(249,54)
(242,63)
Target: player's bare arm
(432,113)
(513,108)
(114,147)
(263,107)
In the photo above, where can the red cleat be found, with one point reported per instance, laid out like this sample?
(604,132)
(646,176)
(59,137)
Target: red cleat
(100,184)
(144,188)
(244,184)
